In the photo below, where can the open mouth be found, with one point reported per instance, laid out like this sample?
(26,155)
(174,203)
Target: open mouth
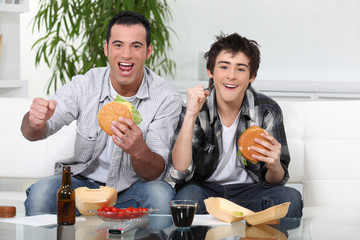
(230,86)
(125,67)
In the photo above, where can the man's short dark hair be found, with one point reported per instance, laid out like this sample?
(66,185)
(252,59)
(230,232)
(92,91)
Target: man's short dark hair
(129,18)
(233,43)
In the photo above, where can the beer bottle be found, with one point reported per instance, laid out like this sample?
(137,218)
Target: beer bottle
(66,200)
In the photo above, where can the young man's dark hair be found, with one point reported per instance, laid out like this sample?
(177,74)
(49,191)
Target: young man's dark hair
(129,18)
(233,43)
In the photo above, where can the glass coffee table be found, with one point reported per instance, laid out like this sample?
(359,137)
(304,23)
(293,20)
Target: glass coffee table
(160,227)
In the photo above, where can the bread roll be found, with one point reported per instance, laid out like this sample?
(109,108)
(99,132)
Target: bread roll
(7,211)
(111,112)
(246,140)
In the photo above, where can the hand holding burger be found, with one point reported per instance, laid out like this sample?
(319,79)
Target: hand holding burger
(270,154)
(246,140)
(113,110)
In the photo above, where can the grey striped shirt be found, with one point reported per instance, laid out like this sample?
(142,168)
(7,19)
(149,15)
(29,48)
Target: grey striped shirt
(81,99)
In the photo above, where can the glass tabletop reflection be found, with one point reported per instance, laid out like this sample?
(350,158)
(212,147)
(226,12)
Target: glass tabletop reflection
(159,227)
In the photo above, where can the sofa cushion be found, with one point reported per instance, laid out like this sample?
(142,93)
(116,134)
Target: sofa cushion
(332,140)
(13,198)
(294,129)
(24,159)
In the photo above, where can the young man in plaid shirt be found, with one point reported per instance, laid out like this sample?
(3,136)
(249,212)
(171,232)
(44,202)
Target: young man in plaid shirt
(204,155)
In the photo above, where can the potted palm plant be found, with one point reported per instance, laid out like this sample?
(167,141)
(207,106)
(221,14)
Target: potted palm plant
(75,32)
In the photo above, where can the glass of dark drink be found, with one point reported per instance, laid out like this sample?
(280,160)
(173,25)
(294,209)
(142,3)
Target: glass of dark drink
(183,212)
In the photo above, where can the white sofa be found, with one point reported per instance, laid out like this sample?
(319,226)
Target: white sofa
(23,162)
(323,138)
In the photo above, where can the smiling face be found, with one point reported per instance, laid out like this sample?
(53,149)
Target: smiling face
(231,76)
(127,53)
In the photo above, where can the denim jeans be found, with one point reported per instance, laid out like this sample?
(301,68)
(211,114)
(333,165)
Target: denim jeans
(251,196)
(42,195)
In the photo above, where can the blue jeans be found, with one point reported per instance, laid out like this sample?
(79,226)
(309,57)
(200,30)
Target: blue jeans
(42,195)
(251,196)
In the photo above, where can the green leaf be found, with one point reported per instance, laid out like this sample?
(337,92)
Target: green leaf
(244,162)
(137,118)
(237,213)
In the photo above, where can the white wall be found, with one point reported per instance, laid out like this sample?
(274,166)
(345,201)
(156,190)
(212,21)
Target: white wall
(10,53)
(37,76)
(301,40)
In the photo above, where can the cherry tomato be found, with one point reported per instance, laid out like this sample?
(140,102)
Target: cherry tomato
(107,209)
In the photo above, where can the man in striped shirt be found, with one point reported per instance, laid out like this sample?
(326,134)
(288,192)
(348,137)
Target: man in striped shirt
(134,159)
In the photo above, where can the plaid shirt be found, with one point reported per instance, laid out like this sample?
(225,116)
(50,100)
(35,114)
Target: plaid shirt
(257,109)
